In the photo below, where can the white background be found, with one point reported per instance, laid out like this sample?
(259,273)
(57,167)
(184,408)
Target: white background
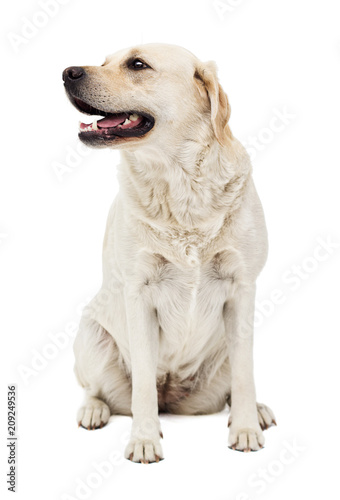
(272,56)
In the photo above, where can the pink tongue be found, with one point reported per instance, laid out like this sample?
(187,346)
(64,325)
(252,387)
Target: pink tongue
(112,121)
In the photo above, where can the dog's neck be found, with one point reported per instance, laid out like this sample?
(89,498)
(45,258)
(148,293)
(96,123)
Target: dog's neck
(193,188)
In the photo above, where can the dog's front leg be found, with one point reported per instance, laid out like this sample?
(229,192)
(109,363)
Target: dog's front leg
(245,433)
(144,445)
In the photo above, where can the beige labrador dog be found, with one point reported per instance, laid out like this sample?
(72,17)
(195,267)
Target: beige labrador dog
(171,329)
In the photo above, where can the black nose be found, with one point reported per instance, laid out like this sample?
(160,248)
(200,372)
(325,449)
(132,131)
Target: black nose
(73,73)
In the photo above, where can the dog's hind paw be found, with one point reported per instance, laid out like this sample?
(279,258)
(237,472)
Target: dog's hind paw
(265,416)
(94,414)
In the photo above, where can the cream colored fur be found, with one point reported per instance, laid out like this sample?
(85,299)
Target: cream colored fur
(172,327)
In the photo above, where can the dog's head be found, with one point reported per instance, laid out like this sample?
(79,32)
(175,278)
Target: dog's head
(145,94)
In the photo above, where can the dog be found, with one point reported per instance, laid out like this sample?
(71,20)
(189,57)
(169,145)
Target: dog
(171,329)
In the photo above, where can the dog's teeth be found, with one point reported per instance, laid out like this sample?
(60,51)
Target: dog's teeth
(127,121)
(133,117)
(88,127)
(94,125)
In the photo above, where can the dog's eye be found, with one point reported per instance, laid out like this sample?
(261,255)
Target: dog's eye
(137,64)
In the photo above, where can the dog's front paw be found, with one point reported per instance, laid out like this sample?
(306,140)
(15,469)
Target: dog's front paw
(144,451)
(144,445)
(246,438)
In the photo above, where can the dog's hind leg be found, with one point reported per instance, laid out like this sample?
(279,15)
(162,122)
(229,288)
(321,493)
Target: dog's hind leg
(100,370)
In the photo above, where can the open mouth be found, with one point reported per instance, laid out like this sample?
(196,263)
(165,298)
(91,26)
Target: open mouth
(125,124)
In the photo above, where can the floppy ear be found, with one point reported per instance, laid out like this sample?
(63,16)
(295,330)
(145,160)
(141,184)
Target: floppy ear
(206,79)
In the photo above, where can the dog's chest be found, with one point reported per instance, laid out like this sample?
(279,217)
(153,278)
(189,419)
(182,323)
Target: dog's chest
(189,303)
